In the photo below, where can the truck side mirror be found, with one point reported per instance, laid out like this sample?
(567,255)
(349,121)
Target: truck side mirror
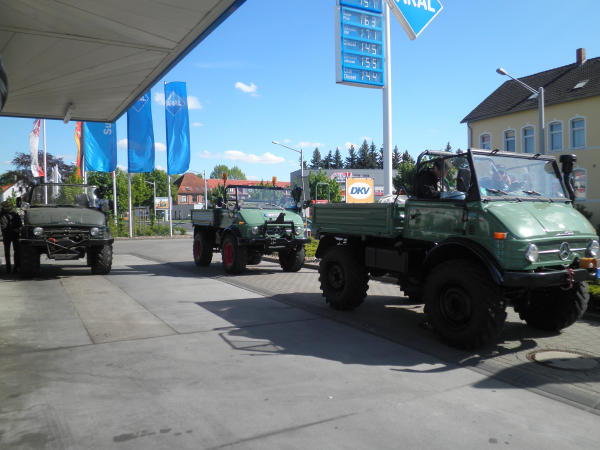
(567,162)
(19,202)
(297,194)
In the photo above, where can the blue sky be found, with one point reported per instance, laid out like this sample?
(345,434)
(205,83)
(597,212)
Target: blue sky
(268,73)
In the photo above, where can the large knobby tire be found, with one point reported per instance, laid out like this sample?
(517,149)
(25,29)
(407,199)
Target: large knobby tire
(344,279)
(254,258)
(203,248)
(101,259)
(30,261)
(291,260)
(556,308)
(464,306)
(235,257)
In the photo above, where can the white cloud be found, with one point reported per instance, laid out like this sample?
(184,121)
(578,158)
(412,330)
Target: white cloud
(7,162)
(159,167)
(193,102)
(248,89)
(310,145)
(122,143)
(197,124)
(236,155)
(122,167)
(160,147)
(366,138)
(350,144)
(287,141)
(265,158)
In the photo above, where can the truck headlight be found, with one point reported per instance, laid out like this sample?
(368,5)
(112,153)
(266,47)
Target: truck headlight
(94,231)
(38,231)
(532,253)
(254,230)
(299,229)
(593,248)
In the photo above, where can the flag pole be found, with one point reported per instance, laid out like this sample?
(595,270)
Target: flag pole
(114,180)
(170,207)
(130,207)
(205,192)
(83,171)
(45,166)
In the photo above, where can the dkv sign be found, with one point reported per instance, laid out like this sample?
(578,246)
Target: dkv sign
(359,190)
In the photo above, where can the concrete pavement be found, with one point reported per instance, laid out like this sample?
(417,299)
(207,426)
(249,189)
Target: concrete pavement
(159,355)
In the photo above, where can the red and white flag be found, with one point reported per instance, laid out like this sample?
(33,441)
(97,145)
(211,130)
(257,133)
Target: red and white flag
(34,141)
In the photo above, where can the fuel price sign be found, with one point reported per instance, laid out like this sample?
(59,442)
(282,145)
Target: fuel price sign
(359,43)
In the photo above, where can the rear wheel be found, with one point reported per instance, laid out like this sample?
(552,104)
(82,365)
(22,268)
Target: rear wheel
(555,309)
(203,248)
(344,279)
(100,259)
(463,304)
(30,261)
(235,257)
(292,260)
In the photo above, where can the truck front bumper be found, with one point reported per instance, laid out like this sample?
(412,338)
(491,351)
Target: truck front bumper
(273,244)
(534,280)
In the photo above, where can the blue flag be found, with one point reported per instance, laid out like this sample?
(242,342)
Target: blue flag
(178,128)
(140,136)
(100,143)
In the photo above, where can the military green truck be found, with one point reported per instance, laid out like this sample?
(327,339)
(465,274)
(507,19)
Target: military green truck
(64,222)
(503,232)
(249,222)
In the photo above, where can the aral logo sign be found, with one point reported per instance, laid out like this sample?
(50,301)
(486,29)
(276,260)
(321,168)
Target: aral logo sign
(359,190)
(415,15)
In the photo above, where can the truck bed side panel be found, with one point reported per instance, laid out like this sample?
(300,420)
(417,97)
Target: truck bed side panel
(372,219)
(203,217)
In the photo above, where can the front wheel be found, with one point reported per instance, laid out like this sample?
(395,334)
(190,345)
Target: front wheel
(30,261)
(292,260)
(555,309)
(463,305)
(344,279)
(235,256)
(100,259)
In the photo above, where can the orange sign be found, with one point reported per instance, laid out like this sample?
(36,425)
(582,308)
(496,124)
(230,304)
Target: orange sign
(359,190)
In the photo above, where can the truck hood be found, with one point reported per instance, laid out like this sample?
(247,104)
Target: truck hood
(260,216)
(57,216)
(539,219)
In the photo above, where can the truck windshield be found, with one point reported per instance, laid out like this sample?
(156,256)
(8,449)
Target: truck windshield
(63,195)
(505,176)
(262,197)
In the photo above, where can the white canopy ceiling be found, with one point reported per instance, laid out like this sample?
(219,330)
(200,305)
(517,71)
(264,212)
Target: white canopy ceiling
(99,56)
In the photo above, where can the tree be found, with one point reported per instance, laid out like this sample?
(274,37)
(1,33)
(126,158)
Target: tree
(405,177)
(233,173)
(448,147)
(395,158)
(327,162)
(335,196)
(406,158)
(338,162)
(362,159)
(351,159)
(315,162)
(22,161)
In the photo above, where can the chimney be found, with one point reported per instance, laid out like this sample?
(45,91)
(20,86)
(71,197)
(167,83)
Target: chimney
(580,56)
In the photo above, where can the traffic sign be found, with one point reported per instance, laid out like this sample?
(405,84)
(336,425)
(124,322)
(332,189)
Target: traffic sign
(415,15)
(359,43)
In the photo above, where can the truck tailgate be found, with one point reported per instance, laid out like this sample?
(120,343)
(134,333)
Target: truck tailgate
(375,219)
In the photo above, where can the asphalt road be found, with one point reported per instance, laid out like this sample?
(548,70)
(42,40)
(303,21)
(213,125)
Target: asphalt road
(162,354)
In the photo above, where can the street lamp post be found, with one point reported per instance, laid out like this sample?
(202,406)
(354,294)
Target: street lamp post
(153,183)
(301,168)
(541,120)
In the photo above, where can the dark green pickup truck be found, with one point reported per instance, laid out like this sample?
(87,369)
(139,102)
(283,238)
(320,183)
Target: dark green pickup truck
(503,232)
(250,222)
(64,222)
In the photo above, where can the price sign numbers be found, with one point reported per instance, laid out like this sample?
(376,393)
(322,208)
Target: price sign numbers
(369,5)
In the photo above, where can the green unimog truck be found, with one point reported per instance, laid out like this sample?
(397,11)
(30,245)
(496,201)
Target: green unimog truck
(64,222)
(503,232)
(249,222)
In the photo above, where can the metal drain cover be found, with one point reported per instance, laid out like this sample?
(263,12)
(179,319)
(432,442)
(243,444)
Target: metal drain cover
(560,359)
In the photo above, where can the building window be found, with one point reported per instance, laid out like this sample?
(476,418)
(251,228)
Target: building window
(528,144)
(509,141)
(577,133)
(555,136)
(485,141)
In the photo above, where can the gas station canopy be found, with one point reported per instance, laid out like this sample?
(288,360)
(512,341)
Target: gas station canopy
(91,60)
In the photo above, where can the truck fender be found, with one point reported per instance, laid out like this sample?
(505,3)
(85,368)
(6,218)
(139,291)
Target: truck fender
(234,231)
(457,247)
(325,244)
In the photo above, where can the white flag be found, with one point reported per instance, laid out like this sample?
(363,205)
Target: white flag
(34,141)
